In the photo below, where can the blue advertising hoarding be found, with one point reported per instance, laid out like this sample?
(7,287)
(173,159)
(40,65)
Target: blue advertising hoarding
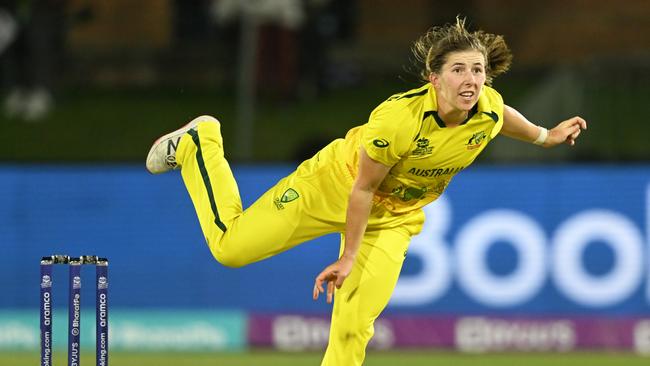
(502,240)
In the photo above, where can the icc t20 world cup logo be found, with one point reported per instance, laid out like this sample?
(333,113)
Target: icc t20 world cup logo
(46,281)
(102,283)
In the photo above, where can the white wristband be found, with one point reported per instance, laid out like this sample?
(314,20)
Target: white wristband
(541,138)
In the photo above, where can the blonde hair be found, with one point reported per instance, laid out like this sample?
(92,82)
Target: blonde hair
(432,49)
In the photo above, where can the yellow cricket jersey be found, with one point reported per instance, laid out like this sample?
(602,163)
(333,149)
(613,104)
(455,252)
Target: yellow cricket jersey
(406,133)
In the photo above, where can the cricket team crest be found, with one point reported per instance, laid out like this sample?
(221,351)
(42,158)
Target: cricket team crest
(476,140)
(288,196)
(422,147)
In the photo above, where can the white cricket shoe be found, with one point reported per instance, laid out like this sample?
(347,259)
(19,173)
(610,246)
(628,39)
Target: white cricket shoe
(162,155)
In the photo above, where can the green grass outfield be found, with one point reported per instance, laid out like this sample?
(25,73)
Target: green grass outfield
(264,358)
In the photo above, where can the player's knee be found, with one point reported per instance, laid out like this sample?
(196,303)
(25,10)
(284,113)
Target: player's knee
(229,259)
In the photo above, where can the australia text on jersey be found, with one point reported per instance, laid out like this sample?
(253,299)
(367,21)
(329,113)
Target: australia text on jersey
(435,172)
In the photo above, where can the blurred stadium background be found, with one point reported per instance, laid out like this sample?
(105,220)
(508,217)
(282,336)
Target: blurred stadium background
(532,257)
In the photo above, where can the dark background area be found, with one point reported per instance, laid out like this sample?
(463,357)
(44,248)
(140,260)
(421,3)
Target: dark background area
(87,81)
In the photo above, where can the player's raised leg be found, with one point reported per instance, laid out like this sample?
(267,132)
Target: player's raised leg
(277,221)
(197,148)
(209,179)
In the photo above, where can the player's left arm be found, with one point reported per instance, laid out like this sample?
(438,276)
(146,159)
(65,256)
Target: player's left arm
(516,126)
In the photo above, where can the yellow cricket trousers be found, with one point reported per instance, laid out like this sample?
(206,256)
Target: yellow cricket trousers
(310,202)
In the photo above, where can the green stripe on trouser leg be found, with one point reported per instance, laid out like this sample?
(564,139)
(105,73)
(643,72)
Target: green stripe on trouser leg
(206,179)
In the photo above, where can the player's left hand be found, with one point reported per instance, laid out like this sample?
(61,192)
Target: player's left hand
(334,275)
(566,132)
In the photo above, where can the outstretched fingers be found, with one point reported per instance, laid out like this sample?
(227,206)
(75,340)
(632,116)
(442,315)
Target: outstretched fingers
(317,290)
(318,285)
(330,291)
(329,276)
(334,275)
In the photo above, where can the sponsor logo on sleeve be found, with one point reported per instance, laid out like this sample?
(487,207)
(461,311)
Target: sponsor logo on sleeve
(380,143)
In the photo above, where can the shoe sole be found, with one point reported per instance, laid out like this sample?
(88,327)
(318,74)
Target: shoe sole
(185,127)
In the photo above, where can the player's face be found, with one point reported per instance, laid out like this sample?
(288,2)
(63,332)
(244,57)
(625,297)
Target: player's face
(460,81)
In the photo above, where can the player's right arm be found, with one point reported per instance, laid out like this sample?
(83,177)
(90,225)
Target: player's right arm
(369,177)
(385,139)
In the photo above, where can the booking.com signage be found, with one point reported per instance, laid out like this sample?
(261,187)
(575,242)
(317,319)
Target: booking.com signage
(501,241)
(536,240)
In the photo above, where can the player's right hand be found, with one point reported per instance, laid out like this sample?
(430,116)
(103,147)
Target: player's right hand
(334,275)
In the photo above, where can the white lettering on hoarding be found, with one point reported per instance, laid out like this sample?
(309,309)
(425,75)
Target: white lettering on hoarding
(17,334)
(297,333)
(571,240)
(476,334)
(642,337)
(190,336)
(472,244)
(561,256)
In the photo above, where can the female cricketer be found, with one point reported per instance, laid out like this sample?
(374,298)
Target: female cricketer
(369,186)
